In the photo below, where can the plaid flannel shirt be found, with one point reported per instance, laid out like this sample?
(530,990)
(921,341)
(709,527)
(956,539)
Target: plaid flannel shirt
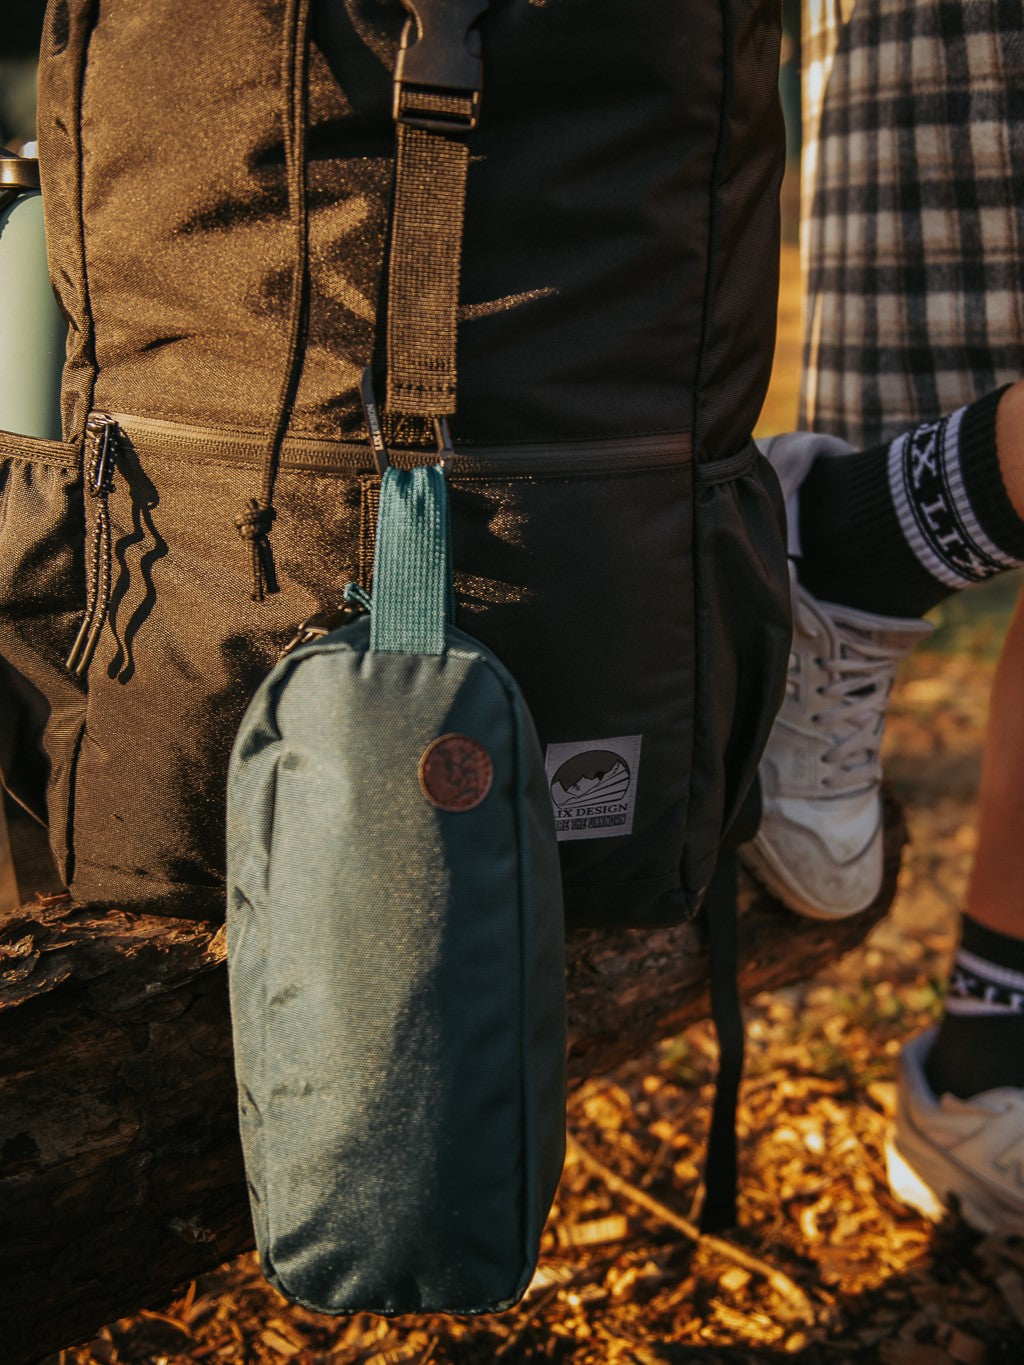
(912,221)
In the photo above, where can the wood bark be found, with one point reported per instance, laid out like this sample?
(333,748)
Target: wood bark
(120,1170)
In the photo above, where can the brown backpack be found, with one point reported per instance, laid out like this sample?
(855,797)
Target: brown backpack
(245,212)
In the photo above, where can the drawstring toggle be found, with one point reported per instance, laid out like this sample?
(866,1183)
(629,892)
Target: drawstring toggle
(254,525)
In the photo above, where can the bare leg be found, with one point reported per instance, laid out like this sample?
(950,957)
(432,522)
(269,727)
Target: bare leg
(996,894)
(1010,443)
(980,1043)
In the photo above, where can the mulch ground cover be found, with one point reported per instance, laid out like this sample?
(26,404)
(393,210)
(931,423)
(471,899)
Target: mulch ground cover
(826,1266)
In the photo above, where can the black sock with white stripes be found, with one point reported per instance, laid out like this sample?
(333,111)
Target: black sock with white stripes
(980,1043)
(896,529)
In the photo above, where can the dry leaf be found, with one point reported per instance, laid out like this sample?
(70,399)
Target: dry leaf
(277,1343)
(734,1279)
(599,1230)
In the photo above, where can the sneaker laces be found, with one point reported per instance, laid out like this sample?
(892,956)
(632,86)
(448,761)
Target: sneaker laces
(860,678)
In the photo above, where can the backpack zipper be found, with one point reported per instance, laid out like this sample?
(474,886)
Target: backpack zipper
(173,440)
(100,463)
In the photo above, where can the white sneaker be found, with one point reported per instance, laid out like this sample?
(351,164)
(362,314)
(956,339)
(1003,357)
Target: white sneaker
(819,847)
(945,1150)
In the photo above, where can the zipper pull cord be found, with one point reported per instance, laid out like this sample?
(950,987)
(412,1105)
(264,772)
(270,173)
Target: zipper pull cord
(100,461)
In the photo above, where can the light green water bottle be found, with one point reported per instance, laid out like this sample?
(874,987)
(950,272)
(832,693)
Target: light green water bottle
(32,328)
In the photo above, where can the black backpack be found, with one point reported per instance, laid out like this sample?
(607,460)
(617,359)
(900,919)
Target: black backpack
(589,248)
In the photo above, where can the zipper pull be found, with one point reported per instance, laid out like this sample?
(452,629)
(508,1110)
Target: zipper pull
(315,628)
(373,426)
(357,602)
(100,459)
(100,463)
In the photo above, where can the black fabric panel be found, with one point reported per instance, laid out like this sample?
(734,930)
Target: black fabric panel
(742,291)
(624,669)
(595,149)
(744,632)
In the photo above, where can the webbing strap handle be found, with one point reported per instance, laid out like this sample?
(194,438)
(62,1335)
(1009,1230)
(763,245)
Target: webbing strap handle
(412,570)
(436,102)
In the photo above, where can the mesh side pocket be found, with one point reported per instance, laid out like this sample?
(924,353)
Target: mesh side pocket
(42,594)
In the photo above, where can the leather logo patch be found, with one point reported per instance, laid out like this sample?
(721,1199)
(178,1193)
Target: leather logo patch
(456,773)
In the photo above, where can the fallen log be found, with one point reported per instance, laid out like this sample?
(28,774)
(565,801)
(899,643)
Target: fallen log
(120,1171)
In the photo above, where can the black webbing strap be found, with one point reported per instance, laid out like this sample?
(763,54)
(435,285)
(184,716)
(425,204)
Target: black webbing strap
(721,911)
(436,102)
(720,1166)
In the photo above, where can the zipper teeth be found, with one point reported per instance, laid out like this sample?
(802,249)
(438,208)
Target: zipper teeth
(357,457)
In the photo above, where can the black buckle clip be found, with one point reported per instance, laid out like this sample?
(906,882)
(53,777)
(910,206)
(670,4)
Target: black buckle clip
(439,55)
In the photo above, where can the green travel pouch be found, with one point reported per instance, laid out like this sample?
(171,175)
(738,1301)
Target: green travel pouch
(395,951)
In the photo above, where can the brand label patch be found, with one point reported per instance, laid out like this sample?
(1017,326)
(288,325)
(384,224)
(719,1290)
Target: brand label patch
(593,786)
(456,773)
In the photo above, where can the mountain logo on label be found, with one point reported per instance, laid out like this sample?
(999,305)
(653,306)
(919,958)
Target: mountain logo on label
(598,777)
(593,785)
